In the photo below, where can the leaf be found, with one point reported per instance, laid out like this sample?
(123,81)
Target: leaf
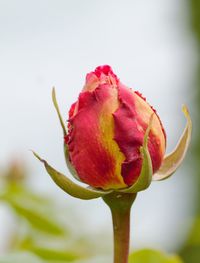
(191,250)
(194,235)
(20,257)
(190,254)
(152,256)
(97,259)
(69,186)
(34,216)
(173,160)
(145,177)
(36,210)
(53,254)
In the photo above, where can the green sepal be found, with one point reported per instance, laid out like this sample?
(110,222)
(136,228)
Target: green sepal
(69,165)
(173,160)
(145,177)
(69,186)
(66,153)
(55,103)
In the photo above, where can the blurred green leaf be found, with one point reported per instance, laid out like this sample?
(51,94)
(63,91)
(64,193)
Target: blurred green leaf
(191,254)
(95,260)
(194,236)
(152,256)
(53,254)
(35,217)
(20,258)
(26,257)
(191,251)
(34,209)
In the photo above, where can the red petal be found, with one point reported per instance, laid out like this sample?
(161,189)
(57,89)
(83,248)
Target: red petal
(131,123)
(101,75)
(92,156)
(105,70)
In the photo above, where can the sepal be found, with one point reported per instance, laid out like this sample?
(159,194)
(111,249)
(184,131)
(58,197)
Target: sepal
(55,103)
(69,165)
(66,153)
(69,186)
(145,177)
(173,160)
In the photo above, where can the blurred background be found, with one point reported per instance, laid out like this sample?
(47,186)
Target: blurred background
(154,47)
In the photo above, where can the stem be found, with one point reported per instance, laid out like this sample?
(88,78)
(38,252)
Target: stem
(120,206)
(121,229)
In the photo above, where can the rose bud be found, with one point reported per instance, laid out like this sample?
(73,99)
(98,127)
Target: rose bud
(115,140)
(115,143)
(106,130)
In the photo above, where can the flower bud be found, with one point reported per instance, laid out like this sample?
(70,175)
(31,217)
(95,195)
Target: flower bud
(106,131)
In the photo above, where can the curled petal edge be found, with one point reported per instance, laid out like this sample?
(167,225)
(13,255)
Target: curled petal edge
(145,177)
(173,160)
(69,186)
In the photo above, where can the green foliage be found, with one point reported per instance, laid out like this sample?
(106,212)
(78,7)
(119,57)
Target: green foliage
(191,251)
(30,258)
(36,210)
(142,256)
(191,254)
(46,239)
(96,260)
(152,256)
(194,237)
(195,17)
(53,254)
(20,258)
(40,234)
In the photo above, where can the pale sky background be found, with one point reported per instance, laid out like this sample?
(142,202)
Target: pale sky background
(55,43)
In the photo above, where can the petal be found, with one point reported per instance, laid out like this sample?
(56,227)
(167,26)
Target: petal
(145,177)
(93,152)
(173,160)
(101,75)
(131,121)
(69,186)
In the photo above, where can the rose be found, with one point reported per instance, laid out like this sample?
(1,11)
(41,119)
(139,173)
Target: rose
(106,130)
(115,140)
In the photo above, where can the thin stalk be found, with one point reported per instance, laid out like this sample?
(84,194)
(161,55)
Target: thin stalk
(120,206)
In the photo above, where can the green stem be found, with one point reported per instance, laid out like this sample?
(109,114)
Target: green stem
(120,206)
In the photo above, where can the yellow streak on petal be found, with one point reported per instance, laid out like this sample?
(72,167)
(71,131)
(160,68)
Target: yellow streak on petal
(107,139)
